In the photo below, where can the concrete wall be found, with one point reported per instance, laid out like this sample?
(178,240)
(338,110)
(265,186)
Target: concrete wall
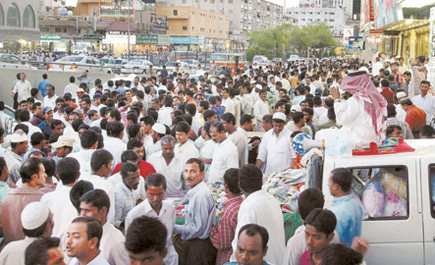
(58,79)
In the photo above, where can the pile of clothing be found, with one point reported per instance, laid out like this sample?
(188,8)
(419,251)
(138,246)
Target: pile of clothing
(285,186)
(385,195)
(219,195)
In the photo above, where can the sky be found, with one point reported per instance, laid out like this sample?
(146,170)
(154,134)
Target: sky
(290,3)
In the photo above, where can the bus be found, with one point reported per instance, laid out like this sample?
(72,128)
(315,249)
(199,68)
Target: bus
(228,59)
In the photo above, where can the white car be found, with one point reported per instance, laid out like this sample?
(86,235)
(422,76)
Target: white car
(293,58)
(183,66)
(113,64)
(77,63)
(259,58)
(192,63)
(136,67)
(10,61)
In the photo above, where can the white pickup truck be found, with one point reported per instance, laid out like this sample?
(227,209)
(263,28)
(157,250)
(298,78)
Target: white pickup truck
(403,229)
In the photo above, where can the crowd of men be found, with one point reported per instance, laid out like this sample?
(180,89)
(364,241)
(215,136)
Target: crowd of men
(85,173)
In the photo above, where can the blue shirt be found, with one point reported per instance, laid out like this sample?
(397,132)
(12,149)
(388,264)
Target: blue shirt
(42,86)
(4,190)
(349,215)
(121,90)
(200,213)
(220,110)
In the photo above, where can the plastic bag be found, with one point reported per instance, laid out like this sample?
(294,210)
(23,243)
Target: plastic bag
(395,205)
(395,184)
(373,199)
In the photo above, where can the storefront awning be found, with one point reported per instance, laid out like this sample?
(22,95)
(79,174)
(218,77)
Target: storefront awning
(406,24)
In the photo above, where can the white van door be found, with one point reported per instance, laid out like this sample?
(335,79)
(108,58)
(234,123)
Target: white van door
(428,199)
(395,228)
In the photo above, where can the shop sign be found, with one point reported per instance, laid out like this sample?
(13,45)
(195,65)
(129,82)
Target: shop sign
(184,40)
(164,40)
(92,37)
(109,9)
(50,37)
(16,35)
(159,26)
(147,39)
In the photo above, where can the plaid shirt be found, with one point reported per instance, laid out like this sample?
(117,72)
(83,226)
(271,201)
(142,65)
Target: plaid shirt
(222,235)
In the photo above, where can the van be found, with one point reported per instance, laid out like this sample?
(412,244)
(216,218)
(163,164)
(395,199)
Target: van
(401,227)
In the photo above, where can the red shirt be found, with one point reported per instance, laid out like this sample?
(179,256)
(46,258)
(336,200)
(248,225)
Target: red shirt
(416,118)
(388,95)
(145,169)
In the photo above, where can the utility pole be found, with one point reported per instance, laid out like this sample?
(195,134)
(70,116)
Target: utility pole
(128,30)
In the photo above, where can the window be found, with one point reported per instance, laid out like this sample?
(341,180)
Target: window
(56,29)
(184,27)
(2,16)
(383,191)
(175,12)
(64,30)
(432,188)
(28,17)
(45,29)
(193,27)
(13,16)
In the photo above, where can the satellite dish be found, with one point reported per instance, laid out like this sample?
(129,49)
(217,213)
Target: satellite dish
(70,13)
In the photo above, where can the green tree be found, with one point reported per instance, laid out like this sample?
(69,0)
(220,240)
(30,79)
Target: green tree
(287,39)
(321,36)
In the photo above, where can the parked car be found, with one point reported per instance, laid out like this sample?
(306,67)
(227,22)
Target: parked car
(293,58)
(192,63)
(113,64)
(136,67)
(183,66)
(276,60)
(77,63)
(258,58)
(11,61)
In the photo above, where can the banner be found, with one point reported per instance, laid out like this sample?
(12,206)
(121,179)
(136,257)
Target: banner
(109,9)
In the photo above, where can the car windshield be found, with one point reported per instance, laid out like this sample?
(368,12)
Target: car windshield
(117,61)
(171,64)
(71,59)
(135,62)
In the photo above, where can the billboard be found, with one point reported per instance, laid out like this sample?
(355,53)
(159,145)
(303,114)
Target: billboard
(109,9)
(386,12)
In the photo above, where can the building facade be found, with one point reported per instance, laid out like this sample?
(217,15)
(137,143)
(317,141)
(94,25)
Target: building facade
(244,15)
(19,25)
(194,26)
(312,15)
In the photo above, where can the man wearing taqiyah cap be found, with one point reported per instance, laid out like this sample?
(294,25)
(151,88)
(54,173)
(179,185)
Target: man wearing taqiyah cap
(33,177)
(36,223)
(14,157)
(276,150)
(400,112)
(158,130)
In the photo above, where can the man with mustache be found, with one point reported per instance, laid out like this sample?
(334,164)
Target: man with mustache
(196,247)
